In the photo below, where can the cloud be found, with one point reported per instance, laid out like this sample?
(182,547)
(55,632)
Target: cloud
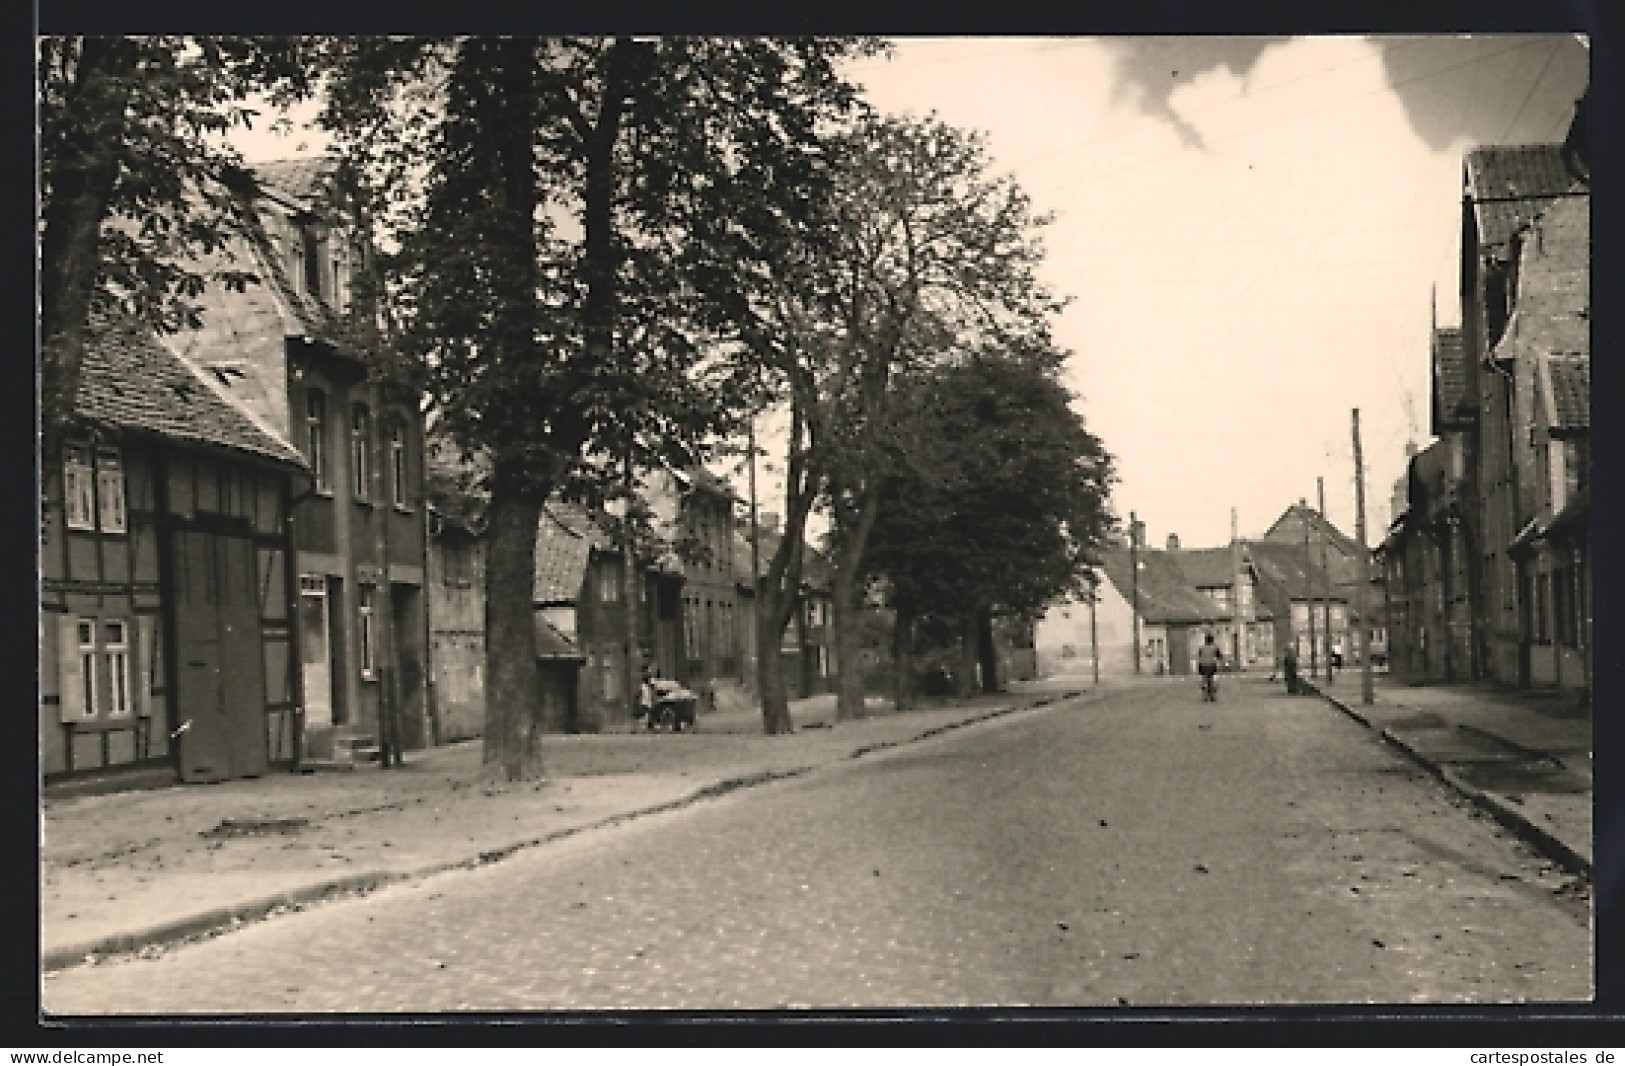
(1147,71)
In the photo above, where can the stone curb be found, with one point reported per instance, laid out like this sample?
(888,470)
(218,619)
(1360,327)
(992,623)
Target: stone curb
(1501,810)
(217,920)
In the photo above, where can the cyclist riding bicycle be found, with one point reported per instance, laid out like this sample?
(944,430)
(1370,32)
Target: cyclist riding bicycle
(1208,658)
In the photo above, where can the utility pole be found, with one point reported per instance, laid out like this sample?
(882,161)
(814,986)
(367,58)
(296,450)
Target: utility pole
(1134,580)
(1366,693)
(1238,624)
(1308,591)
(1325,577)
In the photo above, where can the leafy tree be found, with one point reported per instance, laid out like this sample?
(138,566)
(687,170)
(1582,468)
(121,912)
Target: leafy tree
(997,506)
(595,210)
(928,254)
(136,182)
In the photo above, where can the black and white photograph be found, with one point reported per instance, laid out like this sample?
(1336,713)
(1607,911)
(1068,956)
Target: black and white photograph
(702,525)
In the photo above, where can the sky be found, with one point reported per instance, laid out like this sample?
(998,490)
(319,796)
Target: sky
(1251,231)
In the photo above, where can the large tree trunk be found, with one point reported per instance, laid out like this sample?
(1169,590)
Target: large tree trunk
(970,647)
(848,621)
(853,526)
(82,176)
(991,682)
(903,656)
(770,661)
(513,691)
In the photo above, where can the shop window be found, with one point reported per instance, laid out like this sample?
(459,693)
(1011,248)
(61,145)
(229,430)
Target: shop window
(360,472)
(316,436)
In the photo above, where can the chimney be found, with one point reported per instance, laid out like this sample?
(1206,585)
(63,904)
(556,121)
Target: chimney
(1136,534)
(1173,542)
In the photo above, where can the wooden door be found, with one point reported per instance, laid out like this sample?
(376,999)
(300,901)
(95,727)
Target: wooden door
(1179,649)
(220,690)
(314,651)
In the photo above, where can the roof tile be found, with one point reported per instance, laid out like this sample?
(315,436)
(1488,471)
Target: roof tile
(1517,180)
(132,380)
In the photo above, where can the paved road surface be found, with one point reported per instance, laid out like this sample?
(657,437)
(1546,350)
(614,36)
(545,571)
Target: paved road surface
(1147,849)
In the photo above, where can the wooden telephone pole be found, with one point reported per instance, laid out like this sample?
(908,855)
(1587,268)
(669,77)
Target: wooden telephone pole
(1238,621)
(1134,580)
(1367,695)
(1325,578)
(1308,590)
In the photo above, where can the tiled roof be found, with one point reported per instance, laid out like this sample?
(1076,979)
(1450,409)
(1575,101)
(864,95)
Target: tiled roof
(1568,383)
(553,643)
(1507,174)
(1289,567)
(1451,403)
(298,181)
(1206,567)
(1162,592)
(1288,529)
(565,539)
(131,380)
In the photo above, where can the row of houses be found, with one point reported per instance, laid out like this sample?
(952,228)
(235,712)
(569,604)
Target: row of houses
(1297,586)
(246,560)
(1488,558)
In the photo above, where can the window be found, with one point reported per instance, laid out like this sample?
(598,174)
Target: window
(316,435)
(360,474)
(78,492)
(609,582)
(611,676)
(397,464)
(116,652)
(364,609)
(311,245)
(90,705)
(110,490)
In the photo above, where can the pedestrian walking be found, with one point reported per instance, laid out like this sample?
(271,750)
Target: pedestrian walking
(1289,667)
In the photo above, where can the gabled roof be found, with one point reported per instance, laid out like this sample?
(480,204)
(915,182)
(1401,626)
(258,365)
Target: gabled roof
(1453,408)
(1161,591)
(1510,184)
(1566,383)
(1552,311)
(1289,529)
(565,541)
(131,380)
(1289,568)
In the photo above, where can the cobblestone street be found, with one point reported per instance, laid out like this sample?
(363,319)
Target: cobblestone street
(1145,849)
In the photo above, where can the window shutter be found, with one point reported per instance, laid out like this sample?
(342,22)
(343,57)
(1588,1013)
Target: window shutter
(70,679)
(143,665)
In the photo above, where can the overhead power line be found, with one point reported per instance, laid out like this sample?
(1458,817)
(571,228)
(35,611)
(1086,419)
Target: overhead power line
(1296,117)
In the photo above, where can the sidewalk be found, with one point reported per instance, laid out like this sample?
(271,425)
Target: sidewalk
(132,871)
(1523,757)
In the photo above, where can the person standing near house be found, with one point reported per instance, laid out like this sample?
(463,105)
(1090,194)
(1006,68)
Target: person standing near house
(1289,668)
(646,698)
(1208,658)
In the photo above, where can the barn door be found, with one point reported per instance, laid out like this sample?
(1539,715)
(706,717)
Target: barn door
(220,690)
